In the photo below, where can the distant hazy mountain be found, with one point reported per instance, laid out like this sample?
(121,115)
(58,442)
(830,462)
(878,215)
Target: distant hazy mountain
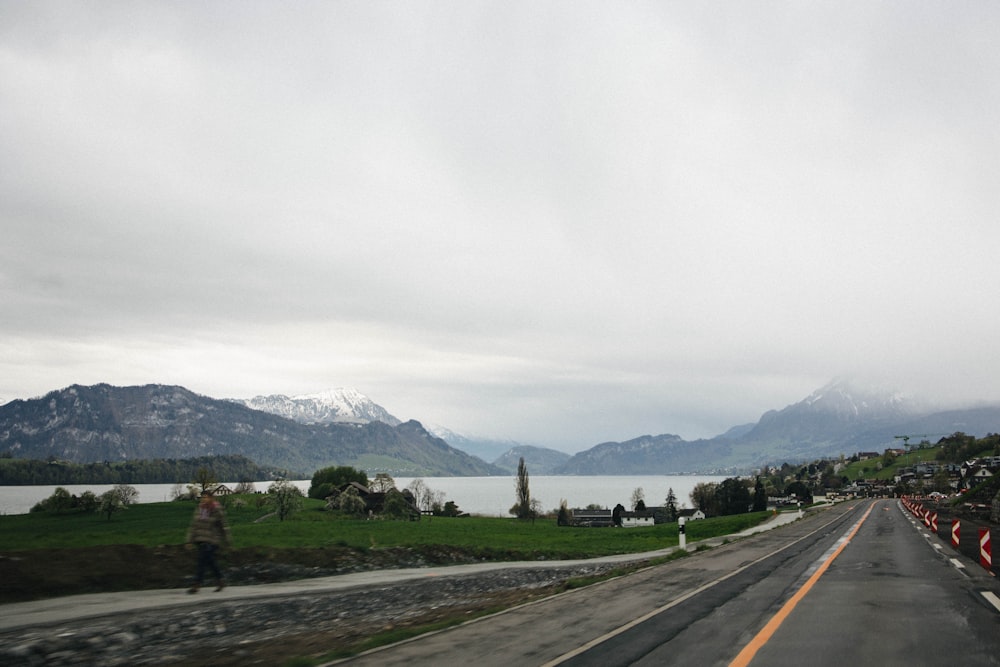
(105,423)
(485,448)
(840,418)
(538,460)
(649,455)
(342,405)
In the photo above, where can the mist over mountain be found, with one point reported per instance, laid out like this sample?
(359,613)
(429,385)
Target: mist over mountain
(488,449)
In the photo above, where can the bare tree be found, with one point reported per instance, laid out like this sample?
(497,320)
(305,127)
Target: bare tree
(204,479)
(245,486)
(638,498)
(126,494)
(422,494)
(383,483)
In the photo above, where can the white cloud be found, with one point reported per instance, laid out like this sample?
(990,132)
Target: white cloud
(564,224)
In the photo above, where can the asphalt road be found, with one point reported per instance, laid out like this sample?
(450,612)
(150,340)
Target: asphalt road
(859,584)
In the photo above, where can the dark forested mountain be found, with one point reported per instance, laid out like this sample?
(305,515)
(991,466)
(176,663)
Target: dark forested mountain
(136,471)
(837,419)
(105,423)
(539,460)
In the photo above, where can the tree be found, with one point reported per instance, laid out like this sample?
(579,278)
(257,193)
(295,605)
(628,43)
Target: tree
(732,497)
(383,483)
(88,501)
(326,481)
(350,502)
(562,517)
(638,497)
(616,514)
(111,502)
(204,479)
(126,493)
(800,491)
(703,497)
(450,509)
(671,505)
(942,482)
(60,500)
(396,506)
(522,508)
(285,497)
(759,496)
(245,486)
(424,497)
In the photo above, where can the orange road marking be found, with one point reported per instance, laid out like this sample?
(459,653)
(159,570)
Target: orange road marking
(758,642)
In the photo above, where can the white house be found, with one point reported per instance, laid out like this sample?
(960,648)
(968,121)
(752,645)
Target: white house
(637,519)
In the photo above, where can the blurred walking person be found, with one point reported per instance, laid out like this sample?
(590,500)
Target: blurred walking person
(209,532)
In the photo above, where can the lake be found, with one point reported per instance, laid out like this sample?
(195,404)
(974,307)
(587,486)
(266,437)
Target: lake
(486,496)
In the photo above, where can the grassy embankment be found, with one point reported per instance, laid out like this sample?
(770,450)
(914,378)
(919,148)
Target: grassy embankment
(155,524)
(47,554)
(871,469)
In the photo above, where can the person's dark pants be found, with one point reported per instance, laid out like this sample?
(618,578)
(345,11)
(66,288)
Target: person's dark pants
(206,561)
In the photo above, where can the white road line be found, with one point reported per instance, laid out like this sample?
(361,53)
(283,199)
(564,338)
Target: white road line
(992,599)
(957,563)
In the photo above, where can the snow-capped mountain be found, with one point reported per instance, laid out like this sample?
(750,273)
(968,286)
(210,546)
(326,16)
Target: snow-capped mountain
(341,405)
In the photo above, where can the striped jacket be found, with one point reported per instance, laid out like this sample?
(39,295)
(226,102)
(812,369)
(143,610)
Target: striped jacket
(209,525)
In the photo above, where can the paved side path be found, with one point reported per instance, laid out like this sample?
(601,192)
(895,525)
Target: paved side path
(76,607)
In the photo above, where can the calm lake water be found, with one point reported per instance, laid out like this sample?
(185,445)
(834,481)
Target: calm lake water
(487,496)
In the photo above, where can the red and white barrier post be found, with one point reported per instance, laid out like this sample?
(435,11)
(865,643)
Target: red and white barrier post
(985,549)
(956,527)
(933,521)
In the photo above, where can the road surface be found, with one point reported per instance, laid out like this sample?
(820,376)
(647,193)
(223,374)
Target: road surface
(859,584)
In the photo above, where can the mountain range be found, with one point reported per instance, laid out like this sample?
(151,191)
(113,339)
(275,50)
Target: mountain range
(344,427)
(344,405)
(85,424)
(840,418)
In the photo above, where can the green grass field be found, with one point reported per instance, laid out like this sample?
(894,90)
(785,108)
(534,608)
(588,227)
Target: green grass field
(870,469)
(153,524)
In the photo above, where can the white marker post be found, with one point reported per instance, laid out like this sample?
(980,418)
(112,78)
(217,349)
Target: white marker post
(680,531)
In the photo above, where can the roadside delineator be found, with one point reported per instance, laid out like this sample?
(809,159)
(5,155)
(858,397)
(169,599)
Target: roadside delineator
(956,526)
(985,549)
(933,521)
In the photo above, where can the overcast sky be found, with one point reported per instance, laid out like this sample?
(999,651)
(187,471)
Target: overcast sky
(560,223)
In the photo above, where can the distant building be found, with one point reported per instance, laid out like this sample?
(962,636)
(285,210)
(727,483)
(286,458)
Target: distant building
(638,518)
(591,518)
